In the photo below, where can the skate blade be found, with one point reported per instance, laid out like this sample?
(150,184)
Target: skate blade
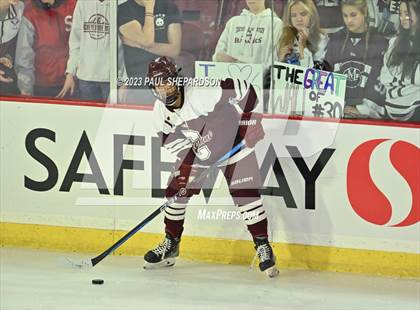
(168,262)
(272,272)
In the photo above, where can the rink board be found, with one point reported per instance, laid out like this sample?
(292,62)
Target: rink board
(358,210)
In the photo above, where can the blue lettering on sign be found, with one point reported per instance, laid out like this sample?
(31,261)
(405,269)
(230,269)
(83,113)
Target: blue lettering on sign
(316,79)
(313,79)
(206,68)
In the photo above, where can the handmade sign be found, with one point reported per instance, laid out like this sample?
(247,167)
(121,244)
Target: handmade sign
(306,91)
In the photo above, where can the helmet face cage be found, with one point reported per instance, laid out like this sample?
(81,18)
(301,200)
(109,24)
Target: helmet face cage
(167,92)
(162,80)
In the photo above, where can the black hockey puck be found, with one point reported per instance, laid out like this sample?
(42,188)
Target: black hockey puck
(97,281)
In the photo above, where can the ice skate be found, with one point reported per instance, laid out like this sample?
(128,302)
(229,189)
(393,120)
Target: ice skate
(266,256)
(163,255)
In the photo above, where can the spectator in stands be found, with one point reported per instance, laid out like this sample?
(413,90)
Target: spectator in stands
(148,29)
(388,11)
(42,47)
(89,51)
(11,12)
(302,41)
(401,71)
(329,15)
(357,51)
(248,38)
(332,21)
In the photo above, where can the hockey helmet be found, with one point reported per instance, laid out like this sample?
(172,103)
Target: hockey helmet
(162,76)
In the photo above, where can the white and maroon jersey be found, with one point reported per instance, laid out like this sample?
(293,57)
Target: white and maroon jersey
(205,128)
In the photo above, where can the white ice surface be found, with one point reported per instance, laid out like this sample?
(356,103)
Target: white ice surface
(31,279)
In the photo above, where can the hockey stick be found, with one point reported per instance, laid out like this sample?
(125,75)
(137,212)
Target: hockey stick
(94,261)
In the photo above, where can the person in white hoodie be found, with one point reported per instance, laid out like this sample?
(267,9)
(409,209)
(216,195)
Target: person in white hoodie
(248,38)
(89,48)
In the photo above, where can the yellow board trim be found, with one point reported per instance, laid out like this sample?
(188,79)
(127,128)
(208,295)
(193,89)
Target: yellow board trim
(289,256)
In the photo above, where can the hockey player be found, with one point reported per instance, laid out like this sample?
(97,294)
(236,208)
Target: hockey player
(201,125)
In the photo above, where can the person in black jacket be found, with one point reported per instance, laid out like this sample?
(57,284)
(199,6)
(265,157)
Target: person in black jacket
(148,29)
(357,52)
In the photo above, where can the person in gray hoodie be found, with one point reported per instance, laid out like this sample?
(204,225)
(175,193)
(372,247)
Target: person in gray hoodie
(89,48)
(248,38)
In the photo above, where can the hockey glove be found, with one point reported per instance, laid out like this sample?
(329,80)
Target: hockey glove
(251,129)
(184,179)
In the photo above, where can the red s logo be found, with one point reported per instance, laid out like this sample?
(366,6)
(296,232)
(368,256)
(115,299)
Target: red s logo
(367,200)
